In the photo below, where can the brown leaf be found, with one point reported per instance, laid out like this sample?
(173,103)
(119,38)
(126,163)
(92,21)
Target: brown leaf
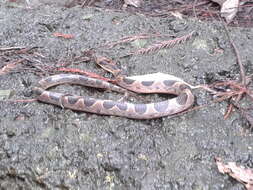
(10,66)
(241,174)
(135,3)
(229,9)
(220,2)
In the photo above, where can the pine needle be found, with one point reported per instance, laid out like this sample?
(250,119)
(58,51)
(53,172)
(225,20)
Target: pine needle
(163,44)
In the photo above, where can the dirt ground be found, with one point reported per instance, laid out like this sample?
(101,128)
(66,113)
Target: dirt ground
(46,147)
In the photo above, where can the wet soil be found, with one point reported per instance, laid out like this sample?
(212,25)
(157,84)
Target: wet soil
(46,147)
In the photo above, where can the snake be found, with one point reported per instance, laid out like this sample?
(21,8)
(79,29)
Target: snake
(143,84)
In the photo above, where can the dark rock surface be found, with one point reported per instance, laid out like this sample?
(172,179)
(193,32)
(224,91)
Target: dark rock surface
(47,147)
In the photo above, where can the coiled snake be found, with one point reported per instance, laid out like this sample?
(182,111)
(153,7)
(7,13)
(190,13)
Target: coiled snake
(150,83)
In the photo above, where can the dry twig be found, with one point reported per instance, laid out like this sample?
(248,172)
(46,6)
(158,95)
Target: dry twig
(130,39)
(11,48)
(242,74)
(238,57)
(10,66)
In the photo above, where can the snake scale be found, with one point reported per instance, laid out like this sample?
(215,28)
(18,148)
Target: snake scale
(150,83)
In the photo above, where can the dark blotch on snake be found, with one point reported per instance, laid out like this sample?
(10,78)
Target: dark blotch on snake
(89,101)
(102,62)
(108,104)
(83,78)
(169,82)
(161,106)
(91,82)
(112,87)
(122,106)
(140,108)
(113,67)
(53,97)
(99,82)
(182,98)
(66,75)
(147,83)
(49,79)
(128,81)
(72,99)
(183,87)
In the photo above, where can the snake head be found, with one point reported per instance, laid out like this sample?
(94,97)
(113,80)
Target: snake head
(108,65)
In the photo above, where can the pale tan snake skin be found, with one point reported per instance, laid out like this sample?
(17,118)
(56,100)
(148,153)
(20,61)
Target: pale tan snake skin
(152,83)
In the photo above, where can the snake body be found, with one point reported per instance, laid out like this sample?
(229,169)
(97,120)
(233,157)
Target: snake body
(152,83)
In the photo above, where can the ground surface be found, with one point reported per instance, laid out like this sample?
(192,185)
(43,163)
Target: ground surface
(46,147)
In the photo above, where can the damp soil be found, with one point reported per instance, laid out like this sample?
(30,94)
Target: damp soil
(46,147)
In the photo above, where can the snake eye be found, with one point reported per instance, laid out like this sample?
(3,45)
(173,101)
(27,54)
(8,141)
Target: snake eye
(169,82)
(182,99)
(147,83)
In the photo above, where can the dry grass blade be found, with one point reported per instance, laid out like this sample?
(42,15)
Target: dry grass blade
(10,48)
(163,44)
